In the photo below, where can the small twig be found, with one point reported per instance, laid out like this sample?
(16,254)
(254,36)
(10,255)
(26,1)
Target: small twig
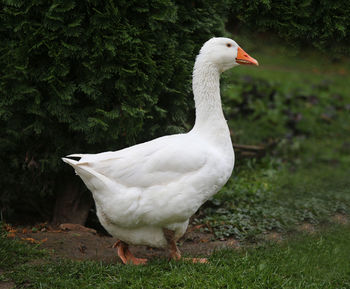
(249,147)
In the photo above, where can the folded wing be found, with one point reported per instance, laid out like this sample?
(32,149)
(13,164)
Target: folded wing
(154,163)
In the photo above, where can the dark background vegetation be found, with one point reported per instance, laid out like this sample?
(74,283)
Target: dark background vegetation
(92,76)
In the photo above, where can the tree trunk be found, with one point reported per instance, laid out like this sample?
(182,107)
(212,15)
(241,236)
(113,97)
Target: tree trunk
(73,202)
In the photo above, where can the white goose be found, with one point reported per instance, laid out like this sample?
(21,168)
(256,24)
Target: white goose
(145,194)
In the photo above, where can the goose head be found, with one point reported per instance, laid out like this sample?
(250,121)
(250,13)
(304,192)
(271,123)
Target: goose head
(224,53)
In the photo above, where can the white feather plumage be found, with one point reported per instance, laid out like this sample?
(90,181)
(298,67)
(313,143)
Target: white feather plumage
(160,184)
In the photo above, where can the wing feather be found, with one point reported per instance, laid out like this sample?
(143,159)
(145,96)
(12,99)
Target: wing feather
(157,162)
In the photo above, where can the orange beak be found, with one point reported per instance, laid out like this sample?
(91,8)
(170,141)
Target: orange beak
(244,58)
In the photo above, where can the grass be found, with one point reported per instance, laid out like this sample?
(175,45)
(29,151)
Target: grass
(304,261)
(287,64)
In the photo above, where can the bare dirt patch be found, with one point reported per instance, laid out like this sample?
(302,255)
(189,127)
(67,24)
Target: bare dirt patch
(81,244)
(340,219)
(306,227)
(6,284)
(274,237)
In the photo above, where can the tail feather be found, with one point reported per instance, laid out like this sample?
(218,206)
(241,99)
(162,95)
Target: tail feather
(73,163)
(75,156)
(92,179)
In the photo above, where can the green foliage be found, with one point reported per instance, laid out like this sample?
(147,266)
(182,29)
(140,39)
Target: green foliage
(302,103)
(259,109)
(271,196)
(305,178)
(323,24)
(90,76)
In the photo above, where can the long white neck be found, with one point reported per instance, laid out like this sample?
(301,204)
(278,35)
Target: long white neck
(206,91)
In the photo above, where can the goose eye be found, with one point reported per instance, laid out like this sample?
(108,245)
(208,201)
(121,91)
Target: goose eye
(229,45)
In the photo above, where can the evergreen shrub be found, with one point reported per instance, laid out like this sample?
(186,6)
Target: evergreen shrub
(90,76)
(323,24)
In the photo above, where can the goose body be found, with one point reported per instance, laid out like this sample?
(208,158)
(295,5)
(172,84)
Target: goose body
(151,188)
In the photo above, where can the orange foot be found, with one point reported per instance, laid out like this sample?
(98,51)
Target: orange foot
(197,260)
(126,256)
(175,255)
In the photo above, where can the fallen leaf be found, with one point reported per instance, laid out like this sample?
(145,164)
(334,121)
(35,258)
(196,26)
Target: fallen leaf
(7,227)
(76,227)
(204,240)
(194,228)
(31,240)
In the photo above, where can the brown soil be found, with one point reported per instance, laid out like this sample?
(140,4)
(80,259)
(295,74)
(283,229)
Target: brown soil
(80,244)
(6,284)
(306,227)
(340,219)
(274,237)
